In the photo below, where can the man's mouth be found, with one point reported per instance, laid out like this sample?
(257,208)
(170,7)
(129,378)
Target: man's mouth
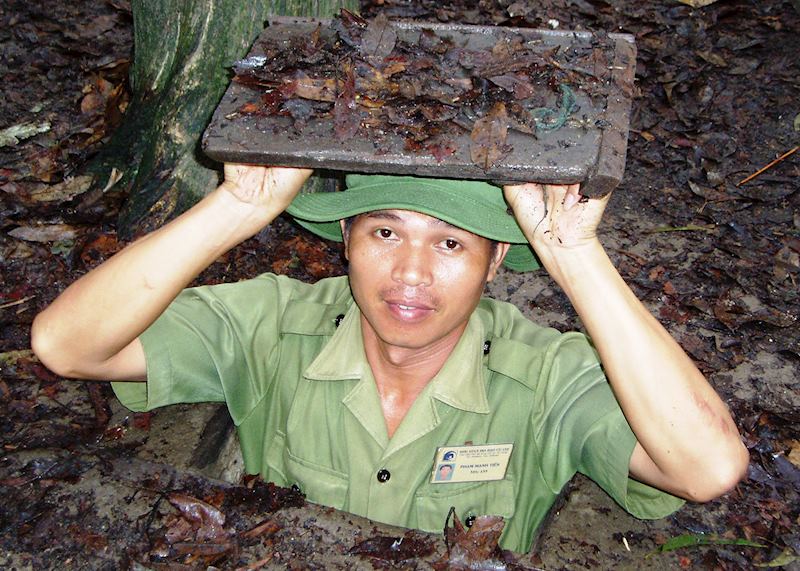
(409,312)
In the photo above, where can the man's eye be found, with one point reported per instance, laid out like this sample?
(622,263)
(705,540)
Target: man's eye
(451,244)
(384,233)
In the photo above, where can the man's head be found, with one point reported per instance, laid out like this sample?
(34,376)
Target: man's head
(476,206)
(420,251)
(445,470)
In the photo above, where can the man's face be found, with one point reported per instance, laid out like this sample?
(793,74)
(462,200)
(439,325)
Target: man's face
(416,278)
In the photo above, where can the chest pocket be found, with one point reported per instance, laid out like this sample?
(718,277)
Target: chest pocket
(275,461)
(320,484)
(433,501)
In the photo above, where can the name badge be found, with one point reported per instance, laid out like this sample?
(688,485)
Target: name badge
(470,463)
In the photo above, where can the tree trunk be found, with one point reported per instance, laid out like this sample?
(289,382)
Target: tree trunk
(183,50)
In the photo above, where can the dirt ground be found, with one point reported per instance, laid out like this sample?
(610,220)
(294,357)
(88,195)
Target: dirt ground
(88,485)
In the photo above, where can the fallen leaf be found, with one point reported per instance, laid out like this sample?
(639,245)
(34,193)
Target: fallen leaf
(345,117)
(786,261)
(711,194)
(794,453)
(204,517)
(92,101)
(697,3)
(488,138)
(440,151)
(45,233)
(114,432)
(99,25)
(316,89)
(394,549)
(716,145)
(265,529)
(519,85)
(100,249)
(96,542)
(142,420)
(476,547)
(10,360)
(744,66)
(113,178)
(11,136)
(46,164)
(63,191)
(379,38)
(713,58)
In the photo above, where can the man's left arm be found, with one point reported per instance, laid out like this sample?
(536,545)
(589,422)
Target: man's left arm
(688,443)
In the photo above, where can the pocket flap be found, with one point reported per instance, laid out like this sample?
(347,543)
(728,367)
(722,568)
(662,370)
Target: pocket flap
(320,484)
(473,498)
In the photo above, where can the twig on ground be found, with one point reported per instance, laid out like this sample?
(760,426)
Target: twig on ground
(769,166)
(18,302)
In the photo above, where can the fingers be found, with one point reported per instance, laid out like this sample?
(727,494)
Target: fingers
(295,177)
(572,196)
(562,196)
(261,186)
(242,169)
(258,177)
(568,195)
(238,173)
(518,194)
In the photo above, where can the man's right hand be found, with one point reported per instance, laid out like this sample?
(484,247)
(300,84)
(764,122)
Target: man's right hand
(91,330)
(273,187)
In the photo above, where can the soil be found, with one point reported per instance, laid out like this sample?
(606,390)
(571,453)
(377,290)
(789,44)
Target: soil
(716,259)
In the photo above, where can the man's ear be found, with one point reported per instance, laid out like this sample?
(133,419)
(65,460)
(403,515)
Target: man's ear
(345,238)
(500,251)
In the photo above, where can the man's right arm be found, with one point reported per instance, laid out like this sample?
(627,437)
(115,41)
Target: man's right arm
(91,330)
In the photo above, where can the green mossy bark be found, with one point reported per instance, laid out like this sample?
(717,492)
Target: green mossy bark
(183,50)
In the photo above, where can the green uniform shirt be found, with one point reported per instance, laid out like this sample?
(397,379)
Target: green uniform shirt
(297,383)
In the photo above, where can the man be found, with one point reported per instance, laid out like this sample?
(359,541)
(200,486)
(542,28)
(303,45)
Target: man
(444,473)
(353,387)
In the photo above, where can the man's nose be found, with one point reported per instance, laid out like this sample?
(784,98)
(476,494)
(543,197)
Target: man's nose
(412,265)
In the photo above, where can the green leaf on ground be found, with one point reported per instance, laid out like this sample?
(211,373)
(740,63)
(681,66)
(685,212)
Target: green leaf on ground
(687,228)
(694,540)
(784,558)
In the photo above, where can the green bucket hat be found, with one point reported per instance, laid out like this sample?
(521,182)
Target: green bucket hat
(472,205)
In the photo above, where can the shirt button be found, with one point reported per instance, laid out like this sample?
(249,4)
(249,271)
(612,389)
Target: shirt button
(384,475)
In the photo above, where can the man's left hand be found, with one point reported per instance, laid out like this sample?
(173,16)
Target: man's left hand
(555,217)
(687,442)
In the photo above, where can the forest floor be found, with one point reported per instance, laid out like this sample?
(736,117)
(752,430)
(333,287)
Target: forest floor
(716,259)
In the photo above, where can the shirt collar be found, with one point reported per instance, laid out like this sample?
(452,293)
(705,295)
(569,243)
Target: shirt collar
(460,383)
(343,357)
